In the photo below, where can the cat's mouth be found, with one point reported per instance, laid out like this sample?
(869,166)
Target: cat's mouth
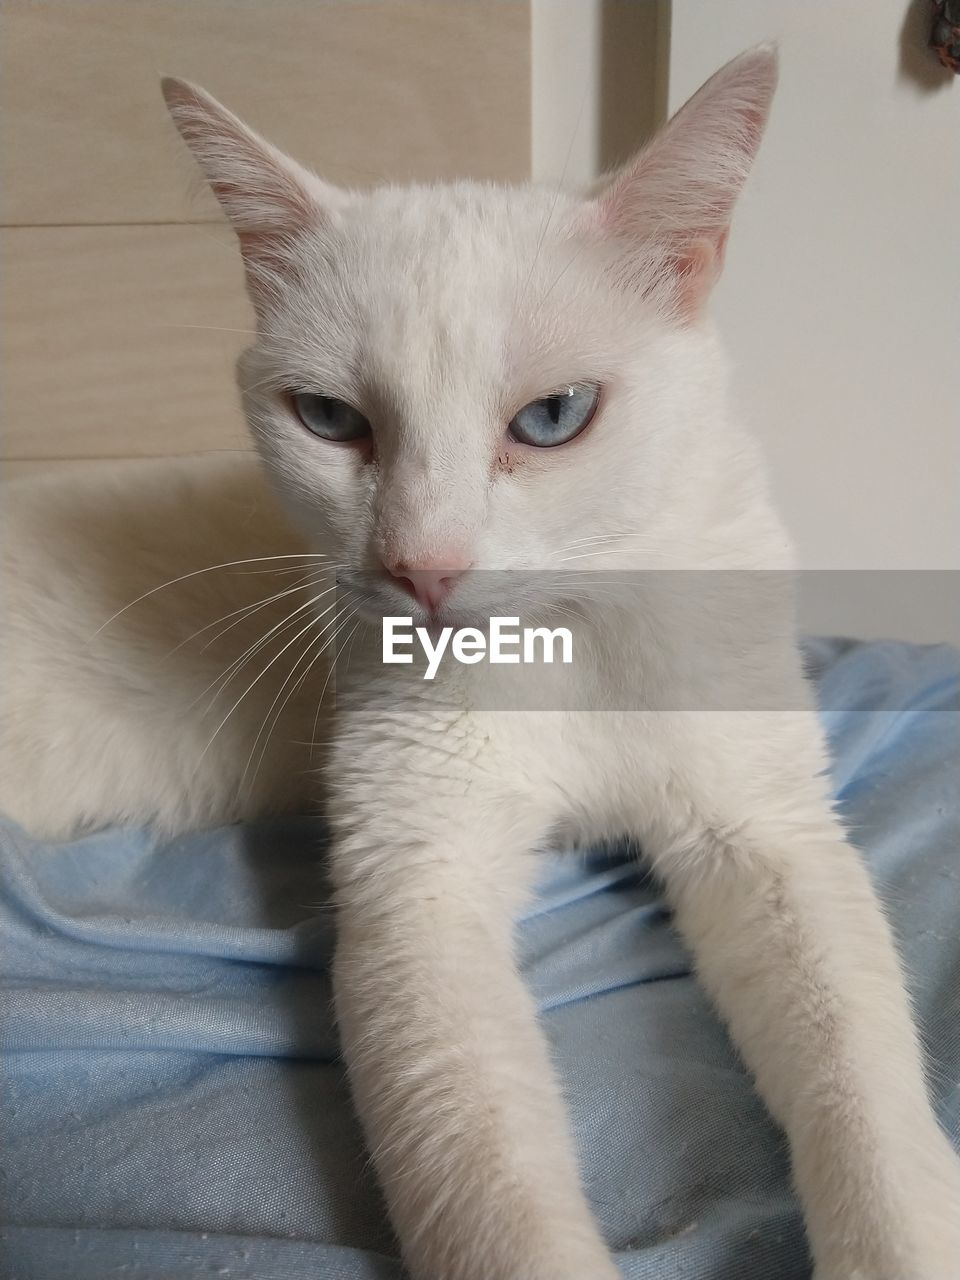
(374,611)
(471,605)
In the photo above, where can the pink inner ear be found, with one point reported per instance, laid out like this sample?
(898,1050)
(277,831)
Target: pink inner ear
(670,207)
(689,258)
(697,270)
(269,266)
(264,249)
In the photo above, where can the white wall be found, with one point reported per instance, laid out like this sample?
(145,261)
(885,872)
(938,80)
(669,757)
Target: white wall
(841,298)
(598,72)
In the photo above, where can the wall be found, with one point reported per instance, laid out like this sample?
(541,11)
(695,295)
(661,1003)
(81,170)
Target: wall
(123,305)
(840,301)
(598,83)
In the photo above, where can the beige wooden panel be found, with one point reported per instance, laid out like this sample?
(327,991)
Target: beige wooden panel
(100,359)
(21,470)
(397,89)
(27,469)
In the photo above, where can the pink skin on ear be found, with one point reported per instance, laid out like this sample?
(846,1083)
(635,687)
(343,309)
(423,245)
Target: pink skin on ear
(697,270)
(669,208)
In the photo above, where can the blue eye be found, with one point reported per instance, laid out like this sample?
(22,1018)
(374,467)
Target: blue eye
(556,418)
(330,418)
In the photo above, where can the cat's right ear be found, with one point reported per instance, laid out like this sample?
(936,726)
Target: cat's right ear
(670,207)
(269,198)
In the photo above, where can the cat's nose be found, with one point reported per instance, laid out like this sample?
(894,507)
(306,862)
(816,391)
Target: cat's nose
(428,585)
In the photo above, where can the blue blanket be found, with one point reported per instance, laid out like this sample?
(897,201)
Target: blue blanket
(172,1104)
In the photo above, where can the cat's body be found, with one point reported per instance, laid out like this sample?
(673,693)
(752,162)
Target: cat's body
(440,313)
(108,713)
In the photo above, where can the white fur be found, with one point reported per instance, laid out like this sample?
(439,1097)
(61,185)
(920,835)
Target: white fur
(439,312)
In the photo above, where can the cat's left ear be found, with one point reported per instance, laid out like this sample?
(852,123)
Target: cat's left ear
(269,198)
(671,205)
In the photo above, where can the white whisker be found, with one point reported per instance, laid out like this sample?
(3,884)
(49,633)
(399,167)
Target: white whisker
(224,678)
(333,664)
(211,328)
(245,611)
(255,681)
(227,564)
(313,641)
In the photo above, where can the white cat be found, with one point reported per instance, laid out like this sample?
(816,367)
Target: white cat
(446,380)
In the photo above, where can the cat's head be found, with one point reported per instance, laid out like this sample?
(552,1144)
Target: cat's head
(478,377)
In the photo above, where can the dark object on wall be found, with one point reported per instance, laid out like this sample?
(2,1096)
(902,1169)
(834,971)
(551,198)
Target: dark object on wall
(945,36)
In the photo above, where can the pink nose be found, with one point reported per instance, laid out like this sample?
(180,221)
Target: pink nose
(429,586)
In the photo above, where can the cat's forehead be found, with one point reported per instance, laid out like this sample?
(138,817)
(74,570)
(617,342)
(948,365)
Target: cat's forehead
(451,255)
(463,226)
(466,279)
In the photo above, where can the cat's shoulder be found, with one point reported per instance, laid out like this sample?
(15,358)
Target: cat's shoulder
(183,496)
(120,528)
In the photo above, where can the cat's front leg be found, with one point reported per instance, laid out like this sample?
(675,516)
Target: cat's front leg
(449,1070)
(791,943)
